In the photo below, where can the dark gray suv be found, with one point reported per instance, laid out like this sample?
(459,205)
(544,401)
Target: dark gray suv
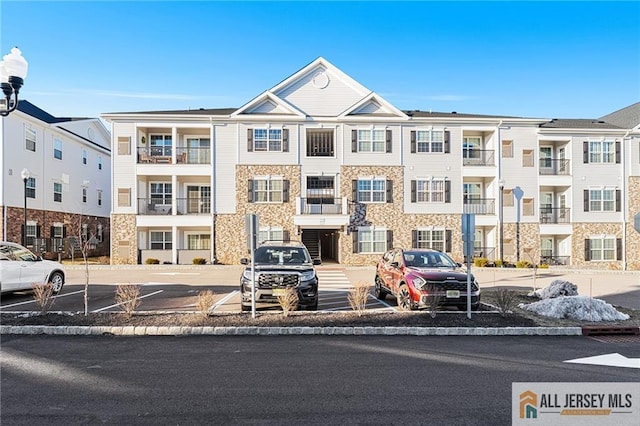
(279,265)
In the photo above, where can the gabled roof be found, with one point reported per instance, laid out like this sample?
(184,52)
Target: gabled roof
(373,106)
(35,112)
(578,123)
(627,118)
(268,104)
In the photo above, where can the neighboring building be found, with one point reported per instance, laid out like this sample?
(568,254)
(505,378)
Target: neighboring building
(68,193)
(323,159)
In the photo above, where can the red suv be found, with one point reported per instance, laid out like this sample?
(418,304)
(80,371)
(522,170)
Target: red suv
(420,277)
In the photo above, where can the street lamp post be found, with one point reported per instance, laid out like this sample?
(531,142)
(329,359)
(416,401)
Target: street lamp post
(25,178)
(501,219)
(13,71)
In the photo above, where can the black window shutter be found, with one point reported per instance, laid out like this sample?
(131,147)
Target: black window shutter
(250,191)
(249,140)
(585,152)
(354,190)
(618,201)
(354,141)
(64,232)
(285,140)
(285,191)
(586,200)
(447,240)
(447,191)
(447,141)
(354,240)
(617,152)
(414,192)
(619,248)
(587,249)
(285,235)
(22,233)
(414,238)
(51,231)
(389,136)
(389,239)
(413,141)
(38,231)
(389,191)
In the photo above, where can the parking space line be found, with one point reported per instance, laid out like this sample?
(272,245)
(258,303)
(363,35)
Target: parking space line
(118,304)
(223,300)
(383,302)
(33,301)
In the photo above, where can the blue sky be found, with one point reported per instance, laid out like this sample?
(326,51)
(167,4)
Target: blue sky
(530,59)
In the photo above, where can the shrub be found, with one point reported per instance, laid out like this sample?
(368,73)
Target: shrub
(206,300)
(199,261)
(544,266)
(152,261)
(498,263)
(288,301)
(480,261)
(42,294)
(358,296)
(433,299)
(104,260)
(505,300)
(523,264)
(128,297)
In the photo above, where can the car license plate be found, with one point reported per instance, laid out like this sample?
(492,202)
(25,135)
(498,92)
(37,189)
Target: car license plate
(453,294)
(278,292)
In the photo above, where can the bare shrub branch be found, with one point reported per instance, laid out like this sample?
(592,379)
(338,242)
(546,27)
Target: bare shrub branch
(505,300)
(358,296)
(206,299)
(42,294)
(128,297)
(433,299)
(288,301)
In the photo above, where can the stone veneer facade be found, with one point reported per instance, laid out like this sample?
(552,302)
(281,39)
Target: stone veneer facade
(231,242)
(581,232)
(124,240)
(632,243)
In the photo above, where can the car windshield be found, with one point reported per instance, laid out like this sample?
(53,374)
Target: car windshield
(281,255)
(434,259)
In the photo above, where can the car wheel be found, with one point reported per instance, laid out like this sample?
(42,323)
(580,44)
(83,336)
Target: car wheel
(379,292)
(313,307)
(57,281)
(404,298)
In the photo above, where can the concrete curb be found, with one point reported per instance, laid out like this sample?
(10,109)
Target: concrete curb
(287,331)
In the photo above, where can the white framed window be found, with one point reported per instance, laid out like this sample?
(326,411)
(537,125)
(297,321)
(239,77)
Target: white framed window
(372,190)
(267,140)
(430,190)
(160,193)
(430,238)
(372,240)
(270,233)
(57,192)
(99,232)
(602,248)
(31,188)
(602,199)
(160,145)
(85,156)
(602,152)
(84,195)
(429,140)
(99,196)
(372,140)
(30,139)
(268,190)
(57,149)
(471,146)
(31,232)
(160,240)
(57,230)
(99,162)
(198,242)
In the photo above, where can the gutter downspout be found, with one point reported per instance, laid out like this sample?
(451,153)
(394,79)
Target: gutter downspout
(500,197)
(214,191)
(623,198)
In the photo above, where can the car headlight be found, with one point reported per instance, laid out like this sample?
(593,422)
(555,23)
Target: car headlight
(307,276)
(247,274)
(419,282)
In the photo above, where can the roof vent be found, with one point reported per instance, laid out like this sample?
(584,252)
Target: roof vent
(453,112)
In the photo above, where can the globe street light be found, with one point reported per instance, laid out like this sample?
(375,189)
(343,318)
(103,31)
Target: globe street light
(13,71)
(25,178)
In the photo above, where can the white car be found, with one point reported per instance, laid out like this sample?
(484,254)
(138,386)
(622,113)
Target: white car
(20,269)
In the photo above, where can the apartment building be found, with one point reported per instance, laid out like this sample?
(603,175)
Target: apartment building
(322,159)
(68,186)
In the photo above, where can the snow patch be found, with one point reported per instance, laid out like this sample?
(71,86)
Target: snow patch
(581,308)
(557,288)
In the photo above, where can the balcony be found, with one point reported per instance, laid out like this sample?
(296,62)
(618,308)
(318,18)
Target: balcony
(184,206)
(479,206)
(478,157)
(555,215)
(321,212)
(552,166)
(547,257)
(163,155)
(321,206)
